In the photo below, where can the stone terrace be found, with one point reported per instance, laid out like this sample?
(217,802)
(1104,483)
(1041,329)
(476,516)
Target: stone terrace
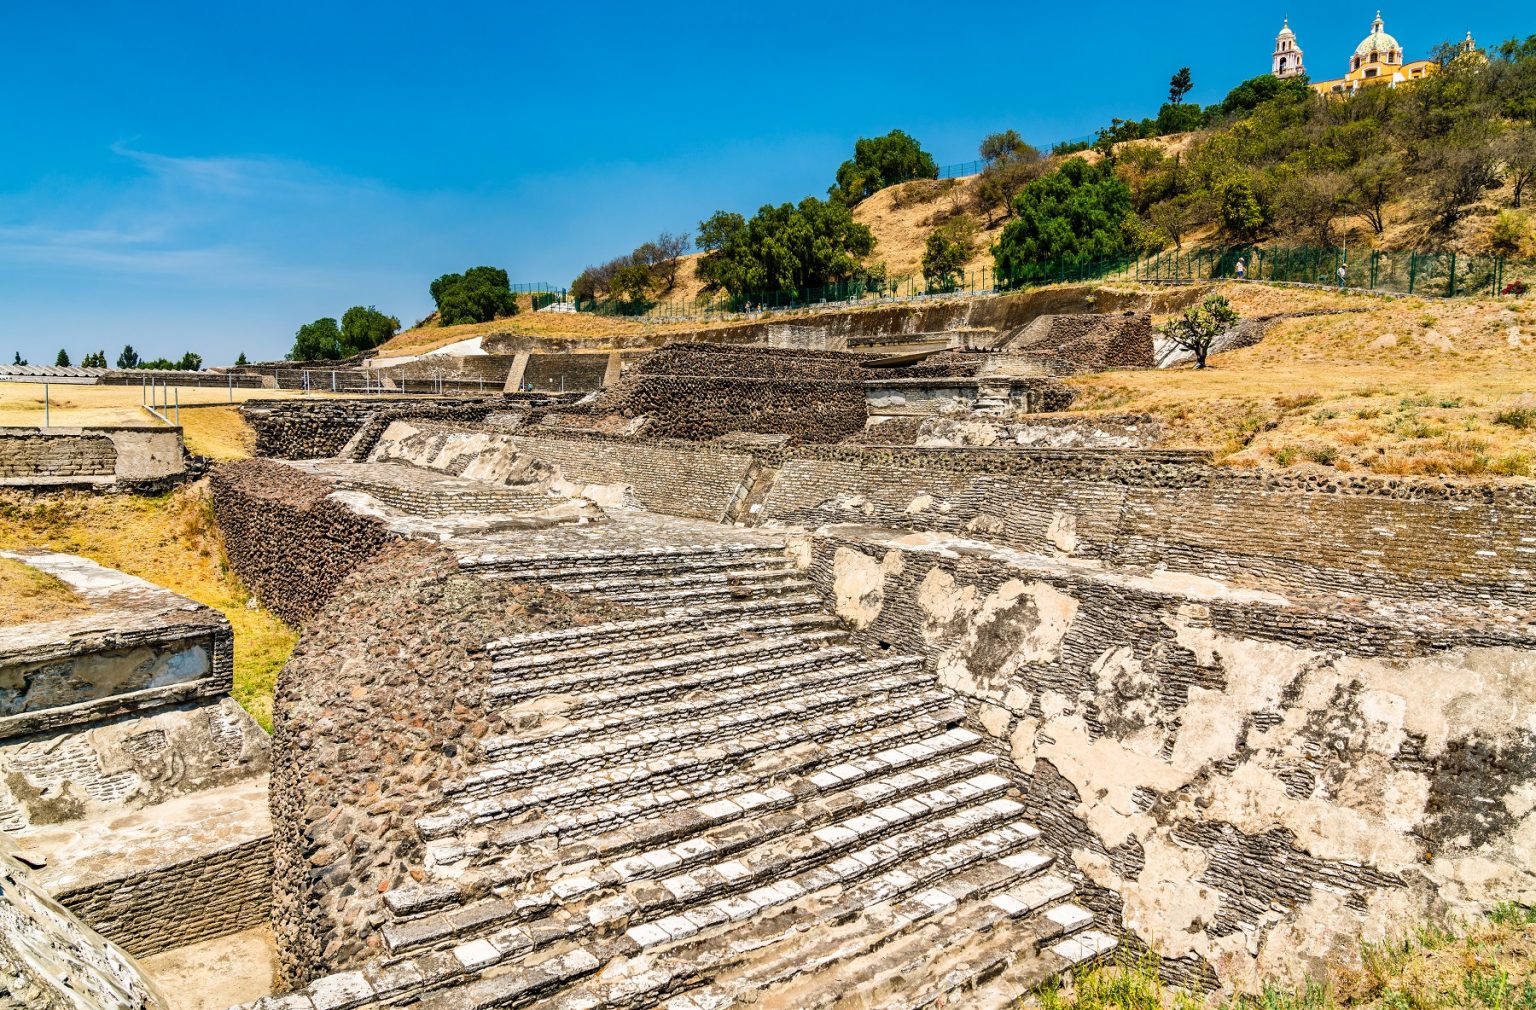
(714,802)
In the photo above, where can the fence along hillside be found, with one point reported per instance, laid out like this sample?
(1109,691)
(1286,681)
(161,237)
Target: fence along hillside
(1409,272)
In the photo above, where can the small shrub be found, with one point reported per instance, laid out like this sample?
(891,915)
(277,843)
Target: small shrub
(1414,402)
(1285,455)
(1325,415)
(1323,455)
(1451,404)
(1512,913)
(1367,413)
(1519,418)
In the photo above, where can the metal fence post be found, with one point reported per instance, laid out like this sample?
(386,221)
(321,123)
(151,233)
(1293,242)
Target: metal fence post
(1451,284)
(47,423)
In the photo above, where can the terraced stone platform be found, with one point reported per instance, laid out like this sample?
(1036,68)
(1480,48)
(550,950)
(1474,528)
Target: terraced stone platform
(717,801)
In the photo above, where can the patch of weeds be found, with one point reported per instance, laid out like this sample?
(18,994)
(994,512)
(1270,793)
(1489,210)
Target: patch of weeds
(1297,402)
(1414,402)
(1495,990)
(1325,415)
(1323,455)
(1427,321)
(1450,404)
(1519,418)
(1457,443)
(1512,913)
(1285,455)
(1410,426)
(1368,413)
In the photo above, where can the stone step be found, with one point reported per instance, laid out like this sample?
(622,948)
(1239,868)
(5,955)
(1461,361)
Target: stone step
(691,725)
(909,767)
(838,735)
(651,581)
(600,645)
(532,566)
(600,685)
(714,688)
(673,601)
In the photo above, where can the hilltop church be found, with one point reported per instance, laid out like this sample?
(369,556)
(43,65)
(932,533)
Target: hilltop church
(1376,60)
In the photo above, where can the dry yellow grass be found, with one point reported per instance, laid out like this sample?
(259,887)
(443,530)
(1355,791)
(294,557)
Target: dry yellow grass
(1408,386)
(27,594)
(217,432)
(21,403)
(171,540)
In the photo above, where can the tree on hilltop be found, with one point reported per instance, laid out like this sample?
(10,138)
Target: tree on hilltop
(478,295)
(879,162)
(791,247)
(363,329)
(62,361)
(1180,85)
(1005,146)
(1077,211)
(241,360)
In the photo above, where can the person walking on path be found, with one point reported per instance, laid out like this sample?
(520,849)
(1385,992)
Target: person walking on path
(1242,269)
(1343,273)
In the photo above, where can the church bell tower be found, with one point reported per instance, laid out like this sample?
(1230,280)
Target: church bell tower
(1287,59)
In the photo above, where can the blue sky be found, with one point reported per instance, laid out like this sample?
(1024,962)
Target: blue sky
(210,176)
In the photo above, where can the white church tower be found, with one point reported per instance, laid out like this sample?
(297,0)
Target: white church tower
(1287,54)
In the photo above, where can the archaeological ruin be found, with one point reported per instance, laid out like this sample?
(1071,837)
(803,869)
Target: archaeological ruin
(833,669)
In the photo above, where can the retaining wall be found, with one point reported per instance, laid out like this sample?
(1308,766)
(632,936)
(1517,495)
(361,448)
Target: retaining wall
(211,896)
(1246,784)
(286,539)
(1404,540)
(61,457)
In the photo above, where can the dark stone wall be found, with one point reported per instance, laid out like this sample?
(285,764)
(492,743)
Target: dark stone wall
(286,540)
(321,428)
(27,455)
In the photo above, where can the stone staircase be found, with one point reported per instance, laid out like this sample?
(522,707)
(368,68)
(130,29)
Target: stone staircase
(723,803)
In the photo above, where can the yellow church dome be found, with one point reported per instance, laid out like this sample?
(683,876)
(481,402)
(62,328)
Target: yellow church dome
(1378,41)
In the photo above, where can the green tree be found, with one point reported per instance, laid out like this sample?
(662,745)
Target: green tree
(1178,118)
(19,360)
(1516,148)
(719,229)
(363,329)
(791,247)
(96,359)
(1240,211)
(1180,85)
(947,251)
(632,282)
(478,295)
(1510,235)
(1006,146)
(879,162)
(62,360)
(129,358)
(1257,91)
(240,361)
(190,362)
(317,341)
(1077,211)
(1197,329)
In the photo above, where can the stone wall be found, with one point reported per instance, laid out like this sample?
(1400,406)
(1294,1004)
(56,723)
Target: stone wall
(1246,783)
(1389,539)
(31,456)
(678,478)
(214,895)
(322,427)
(286,539)
(1077,341)
(562,373)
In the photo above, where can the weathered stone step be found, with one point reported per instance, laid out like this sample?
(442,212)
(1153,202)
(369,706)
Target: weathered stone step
(703,555)
(716,689)
(598,646)
(674,600)
(725,823)
(648,580)
(874,726)
(602,686)
(615,754)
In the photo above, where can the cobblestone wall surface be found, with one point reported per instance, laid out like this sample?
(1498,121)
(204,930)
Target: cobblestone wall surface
(382,698)
(218,894)
(28,456)
(320,428)
(1076,341)
(1394,539)
(1248,784)
(286,539)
